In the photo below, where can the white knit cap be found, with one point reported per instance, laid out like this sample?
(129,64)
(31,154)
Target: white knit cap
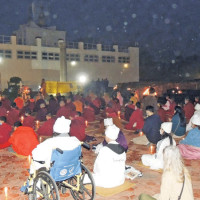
(112,132)
(62,125)
(108,122)
(167,127)
(197,107)
(196,119)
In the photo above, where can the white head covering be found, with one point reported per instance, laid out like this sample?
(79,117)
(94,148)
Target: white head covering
(196,119)
(167,127)
(112,132)
(197,107)
(62,125)
(108,122)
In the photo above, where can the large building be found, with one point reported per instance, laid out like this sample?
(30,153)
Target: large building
(36,52)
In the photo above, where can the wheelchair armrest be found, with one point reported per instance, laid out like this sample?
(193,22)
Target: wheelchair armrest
(41,162)
(59,150)
(86,145)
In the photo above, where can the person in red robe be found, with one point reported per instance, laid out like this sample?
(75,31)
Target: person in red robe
(136,121)
(63,111)
(6,103)
(2,110)
(53,105)
(41,114)
(19,102)
(5,131)
(188,109)
(69,105)
(161,112)
(128,110)
(31,103)
(39,101)
(28,119)
(23,139)
(170,112)
(88,112)
(13,115)
(77,127)
(47,127)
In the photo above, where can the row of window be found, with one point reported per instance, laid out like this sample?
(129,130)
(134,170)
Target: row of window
(56,56)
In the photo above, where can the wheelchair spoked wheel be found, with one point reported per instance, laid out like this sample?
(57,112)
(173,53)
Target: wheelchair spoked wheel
(44,187)
(87,189)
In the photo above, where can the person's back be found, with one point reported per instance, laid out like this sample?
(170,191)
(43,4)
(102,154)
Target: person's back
(23,140)
(2,111)
(5,130)
(29,120)
(151,128)
(89,114)
(177,128)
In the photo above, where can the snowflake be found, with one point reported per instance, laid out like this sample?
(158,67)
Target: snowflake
(108,28)
(134,15)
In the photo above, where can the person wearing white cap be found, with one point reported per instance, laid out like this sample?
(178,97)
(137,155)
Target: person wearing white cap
(197,111)
(190,145)
(60,140)
(155,161)
(109,166)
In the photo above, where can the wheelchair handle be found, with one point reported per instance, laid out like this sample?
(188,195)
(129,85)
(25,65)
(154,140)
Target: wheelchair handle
(85,145)
(59,150)
(41,162)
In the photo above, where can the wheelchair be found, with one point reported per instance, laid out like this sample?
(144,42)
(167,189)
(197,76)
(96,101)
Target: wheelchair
(66,172)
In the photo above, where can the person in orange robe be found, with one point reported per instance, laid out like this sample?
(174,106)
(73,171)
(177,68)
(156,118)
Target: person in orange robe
(2,110)
(77,127)
(23,139)
(79,105)
(5,131)
(13,115)
(88,112)
(63,111)
(47,128)
(28,119)
(19,102)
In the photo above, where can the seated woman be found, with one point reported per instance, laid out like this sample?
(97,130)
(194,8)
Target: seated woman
(178,122)
(109,166)
(176,181)
(136,121)
(190,146)
(155,161)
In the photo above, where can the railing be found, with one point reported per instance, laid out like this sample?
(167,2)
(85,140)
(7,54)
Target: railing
(90,46)
(72,45)
(5,39)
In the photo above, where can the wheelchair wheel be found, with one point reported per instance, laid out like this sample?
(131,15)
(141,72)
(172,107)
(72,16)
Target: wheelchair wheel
(87,189)
(44,187)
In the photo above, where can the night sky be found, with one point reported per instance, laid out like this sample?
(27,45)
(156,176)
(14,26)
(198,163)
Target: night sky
(165,29)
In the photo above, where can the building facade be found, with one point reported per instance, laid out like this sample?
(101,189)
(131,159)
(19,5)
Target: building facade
(36,56)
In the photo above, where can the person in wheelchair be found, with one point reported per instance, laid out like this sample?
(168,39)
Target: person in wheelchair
(42,153)
(109,166)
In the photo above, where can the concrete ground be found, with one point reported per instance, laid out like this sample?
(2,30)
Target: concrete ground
(13,171)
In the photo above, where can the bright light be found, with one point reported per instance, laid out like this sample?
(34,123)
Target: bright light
(82,79)
(73,63)
(126,65)
(1,59)
(115,87)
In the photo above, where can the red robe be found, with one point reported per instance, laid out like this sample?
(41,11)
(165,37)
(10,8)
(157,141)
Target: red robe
(63,111)
(29,121)
(89,114)
(24,140)
(77,128)
(6,104)
(136,117)
(189,111)
(19,102)
(47,128)
(13,116)
(2,111)
(170,112)
(162,114)
(5,131)
(41,114)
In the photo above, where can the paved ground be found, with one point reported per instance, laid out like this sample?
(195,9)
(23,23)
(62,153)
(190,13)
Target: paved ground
(13,172)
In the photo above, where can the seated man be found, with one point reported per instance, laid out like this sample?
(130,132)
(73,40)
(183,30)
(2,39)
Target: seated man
(109,166)
(60,140)
(23,139)
(190,146)
(63,111)
(136,120)
(47,127)
(188,109)
(28,119)
(13,115)
(88,112)
(2,110)
(78,126)
(41,113)
(151,126)
(5,131)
